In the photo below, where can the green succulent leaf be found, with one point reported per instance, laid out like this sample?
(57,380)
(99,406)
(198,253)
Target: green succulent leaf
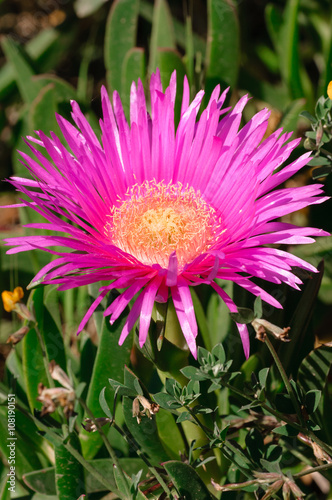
(186,480)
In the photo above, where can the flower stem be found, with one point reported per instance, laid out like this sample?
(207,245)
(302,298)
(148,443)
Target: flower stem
(285,379)
(133,443)
(282,417)
(46,361)
(107,444)
(319,468)
(206,431)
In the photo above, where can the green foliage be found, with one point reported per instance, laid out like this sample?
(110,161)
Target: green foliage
(109,362)
(186,481)
(119,39)
(223,45)
(69,473)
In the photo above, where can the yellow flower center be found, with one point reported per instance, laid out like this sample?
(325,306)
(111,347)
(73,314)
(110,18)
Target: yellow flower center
(157,219)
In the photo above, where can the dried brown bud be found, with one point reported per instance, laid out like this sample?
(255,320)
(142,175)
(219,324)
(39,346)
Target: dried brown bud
(272,490)
(267,477)
(24,312)
(16,337)
(295,489)
(149,408)
(286,491)
(262,327)
(320,454)
(136,410)
(319,134)
(92,425)
(232,486)
(58,374)
(54,397)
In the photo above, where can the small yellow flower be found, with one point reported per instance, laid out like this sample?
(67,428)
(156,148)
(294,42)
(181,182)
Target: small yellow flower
(10,299)
(329,90)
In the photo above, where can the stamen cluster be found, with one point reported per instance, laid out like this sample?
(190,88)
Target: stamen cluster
(157,219)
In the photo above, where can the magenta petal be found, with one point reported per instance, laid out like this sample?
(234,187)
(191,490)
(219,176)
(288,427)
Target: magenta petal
(185,313)
(121,302)
(172,271)
(132,318)
(92,308)
(149,296)
(244,334)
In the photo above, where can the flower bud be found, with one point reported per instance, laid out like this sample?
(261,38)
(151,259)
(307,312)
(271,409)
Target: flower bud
(92,425)
(16,337)
(262,327)
(58,374)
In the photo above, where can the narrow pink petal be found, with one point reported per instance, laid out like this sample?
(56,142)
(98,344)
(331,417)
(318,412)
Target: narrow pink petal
(121,302)
(132,318)
(172,271)
(92,308)
(186,325)
(149,296)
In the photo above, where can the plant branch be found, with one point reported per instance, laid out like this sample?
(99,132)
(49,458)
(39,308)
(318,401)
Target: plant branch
(107,444)
(282,417)
(133,443)
(285,379)
(319,468)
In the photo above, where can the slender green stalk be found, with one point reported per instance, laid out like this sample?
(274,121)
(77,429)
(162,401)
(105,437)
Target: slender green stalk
(107,444)
(205,429)
(319,468)
(283,418)
(285,379)
(133,443)
(46,361)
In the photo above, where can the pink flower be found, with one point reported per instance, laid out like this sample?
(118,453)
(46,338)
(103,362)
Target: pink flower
(156,210)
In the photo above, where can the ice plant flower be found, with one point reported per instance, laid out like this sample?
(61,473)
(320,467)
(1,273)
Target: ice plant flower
(155,210)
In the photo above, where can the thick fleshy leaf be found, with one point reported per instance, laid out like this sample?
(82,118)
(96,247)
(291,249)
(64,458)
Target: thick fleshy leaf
(33,368)
(301,334)
(43,481)
(162,35)
(69,473)
(27,456)
(50,332)
(133,68)
(119,39)
(223,45)
(186,480)
(109,362)
(313,376)
(23,69)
